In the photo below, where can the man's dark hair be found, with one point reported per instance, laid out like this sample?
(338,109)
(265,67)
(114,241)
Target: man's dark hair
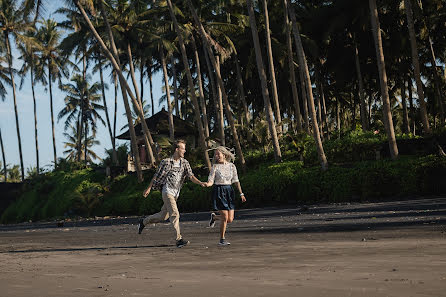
(176,144)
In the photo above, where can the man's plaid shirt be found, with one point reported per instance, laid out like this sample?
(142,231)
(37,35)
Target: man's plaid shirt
(161,175)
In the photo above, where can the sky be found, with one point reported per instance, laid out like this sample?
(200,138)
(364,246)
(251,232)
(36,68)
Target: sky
(26,114)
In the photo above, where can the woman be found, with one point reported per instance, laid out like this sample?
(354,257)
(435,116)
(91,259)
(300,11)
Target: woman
(223,174)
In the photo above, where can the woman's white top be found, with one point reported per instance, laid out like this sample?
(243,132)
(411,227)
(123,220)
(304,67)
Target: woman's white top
(223,174)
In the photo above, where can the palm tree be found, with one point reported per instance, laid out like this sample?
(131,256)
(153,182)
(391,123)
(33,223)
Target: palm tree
(82,100)
(297,113)
(262,76)
(416,66)
(51,57)
(191,85)
(28,50)
(307,85)
(272,70)
(229,117)
(169,105)
(13,21)
(3,157)
(99,67)
(387,115)
(72,147)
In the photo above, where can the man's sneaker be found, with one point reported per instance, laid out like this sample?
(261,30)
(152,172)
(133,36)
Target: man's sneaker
(212,220)
(181,243)
(140,225)
(224,242)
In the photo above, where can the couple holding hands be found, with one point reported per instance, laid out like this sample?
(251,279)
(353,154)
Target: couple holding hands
(169,179)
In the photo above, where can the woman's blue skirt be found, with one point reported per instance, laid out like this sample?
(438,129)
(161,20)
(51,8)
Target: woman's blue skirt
(223,197)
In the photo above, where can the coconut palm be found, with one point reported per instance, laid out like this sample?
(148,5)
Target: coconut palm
(13,22)
(262,76)
(305,77)
(199,125)
(387,115)
(28,49)
(55,63)
(71,145)
(3,157)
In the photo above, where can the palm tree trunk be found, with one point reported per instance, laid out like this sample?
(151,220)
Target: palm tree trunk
(141,78)
(304,102)
(387,115)
(297,113)
(215,96)
(149,144)
(307,80)
(241,91)
(169,105)
(406,128)
(262,76)
(191,87)
(85,142)
(112,139)
(437,82)
(228,110)
(321,85)
(19,138)
(338,117)
(149,70)
(3,157)
(115,113)
(416,66)
(132,75)
(52,118)
(114,59)
(35,117)
(200,88)
(116,66)
(362,104)
(219,107)
(411,107)
(272,71)
(175,88)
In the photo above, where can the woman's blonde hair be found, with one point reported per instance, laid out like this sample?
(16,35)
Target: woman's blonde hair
(229,156)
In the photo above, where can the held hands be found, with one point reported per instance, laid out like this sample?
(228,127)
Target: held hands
(204,184)
(146,192)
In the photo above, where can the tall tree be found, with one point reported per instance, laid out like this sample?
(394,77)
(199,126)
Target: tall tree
(307,81)
(201,137)
(272,72)
(416,66)
(3,157)
(13,21)
(28,49)
(387,115)
(51,56)
(262,76)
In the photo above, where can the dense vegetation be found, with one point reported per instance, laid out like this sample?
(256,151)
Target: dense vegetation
(71,191)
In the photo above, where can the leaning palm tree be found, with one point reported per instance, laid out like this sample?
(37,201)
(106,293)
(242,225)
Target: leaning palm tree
(387,114)
(306,80)
(205,39)
(56,65)
(13,22)
(199,125)
(262,76)
(271,69)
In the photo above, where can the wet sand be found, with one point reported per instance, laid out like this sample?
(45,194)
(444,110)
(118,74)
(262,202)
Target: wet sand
(374,249)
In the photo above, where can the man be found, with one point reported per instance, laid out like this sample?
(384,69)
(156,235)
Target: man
(169,179)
